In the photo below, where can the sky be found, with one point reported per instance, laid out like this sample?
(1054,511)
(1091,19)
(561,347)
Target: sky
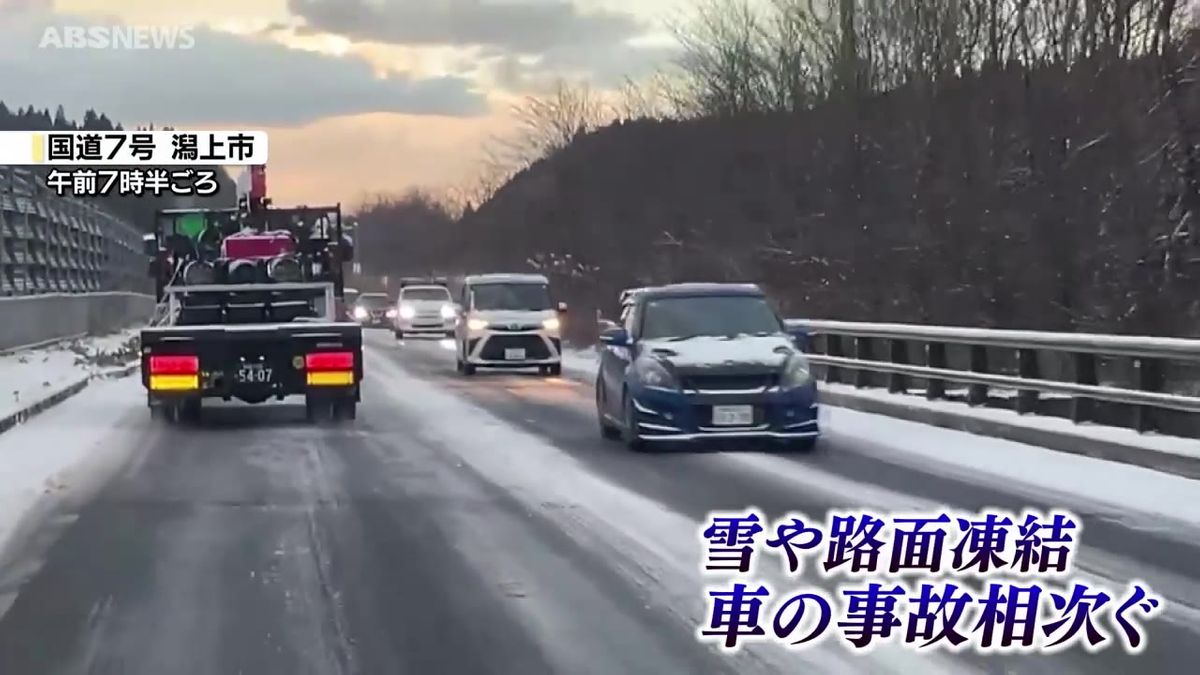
(359,97)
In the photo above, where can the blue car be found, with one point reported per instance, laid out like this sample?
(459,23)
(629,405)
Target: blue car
(701,362)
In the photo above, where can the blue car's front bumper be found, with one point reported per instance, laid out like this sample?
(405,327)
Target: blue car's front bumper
(687,416)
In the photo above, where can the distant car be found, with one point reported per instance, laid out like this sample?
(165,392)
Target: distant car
(700,362)
(509,321)
(373,310)
(425,309)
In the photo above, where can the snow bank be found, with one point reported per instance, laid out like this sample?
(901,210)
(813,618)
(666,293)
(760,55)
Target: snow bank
(581,364)
(1185,447)
(1046,474)
(69,449)
(29,376)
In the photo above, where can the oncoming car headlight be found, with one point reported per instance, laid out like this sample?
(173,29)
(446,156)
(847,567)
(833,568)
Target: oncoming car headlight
(448,312)
(360,312)
(407,311)
(796,372)
(476,324)
(654,374)
(551,324)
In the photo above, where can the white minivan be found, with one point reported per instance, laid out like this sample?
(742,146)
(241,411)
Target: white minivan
(509,321)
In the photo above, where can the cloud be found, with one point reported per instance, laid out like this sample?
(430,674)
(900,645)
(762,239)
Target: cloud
(13,7)
(520,46)
(521,26)
(370,154)
(601,68)
(223,79)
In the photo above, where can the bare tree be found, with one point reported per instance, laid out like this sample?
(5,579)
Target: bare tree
(655,97)
(541,125)
(545,124)
(724,57)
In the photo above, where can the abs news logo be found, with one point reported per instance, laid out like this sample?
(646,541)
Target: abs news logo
(117,37)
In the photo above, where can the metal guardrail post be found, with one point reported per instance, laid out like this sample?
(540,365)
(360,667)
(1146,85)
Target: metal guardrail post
(1149,378)
(1027,368)
(862,352)
(833,347)
(1085,373)
(977,393)
(935,357)
(898,383)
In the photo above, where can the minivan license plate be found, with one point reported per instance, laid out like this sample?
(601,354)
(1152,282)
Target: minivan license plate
(733,415)
(514,354)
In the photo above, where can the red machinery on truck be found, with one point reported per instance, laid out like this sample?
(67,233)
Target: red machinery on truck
(251,307)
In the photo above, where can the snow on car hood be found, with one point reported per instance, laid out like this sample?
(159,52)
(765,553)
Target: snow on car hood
(716,352)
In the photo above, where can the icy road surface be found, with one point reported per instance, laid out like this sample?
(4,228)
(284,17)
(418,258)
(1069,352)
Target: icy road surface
(478,526)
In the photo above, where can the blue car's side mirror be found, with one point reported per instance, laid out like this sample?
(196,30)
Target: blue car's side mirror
(616,337)
(801,338)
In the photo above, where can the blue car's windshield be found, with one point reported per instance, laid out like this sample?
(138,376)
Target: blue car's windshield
(718,316)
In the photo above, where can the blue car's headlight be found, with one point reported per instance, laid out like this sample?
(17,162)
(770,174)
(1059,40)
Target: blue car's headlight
(653,374)
(796,372)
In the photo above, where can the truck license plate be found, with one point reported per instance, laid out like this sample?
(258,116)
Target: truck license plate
(514,354)
(733,415)
(254,373)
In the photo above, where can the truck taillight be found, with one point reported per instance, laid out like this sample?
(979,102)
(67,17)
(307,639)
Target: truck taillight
(174,364)
(329,361)
(330,368)
(174,372)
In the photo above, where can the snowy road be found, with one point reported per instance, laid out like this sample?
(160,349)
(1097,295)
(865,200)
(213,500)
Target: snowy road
(477,526)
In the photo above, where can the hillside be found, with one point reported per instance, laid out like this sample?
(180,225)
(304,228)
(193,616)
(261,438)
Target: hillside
(1045,199)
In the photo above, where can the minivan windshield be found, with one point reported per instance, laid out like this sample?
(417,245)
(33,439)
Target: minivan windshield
(511,296)
(425,294)
(717,316)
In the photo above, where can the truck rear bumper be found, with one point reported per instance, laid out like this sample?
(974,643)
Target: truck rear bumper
(253,363)
(251,395)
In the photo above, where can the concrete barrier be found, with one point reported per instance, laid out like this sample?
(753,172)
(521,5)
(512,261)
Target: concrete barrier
(33,320)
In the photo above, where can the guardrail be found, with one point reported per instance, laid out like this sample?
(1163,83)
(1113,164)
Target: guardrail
(1146,383)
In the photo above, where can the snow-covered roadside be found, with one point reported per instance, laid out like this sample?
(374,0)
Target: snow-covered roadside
(580,364)
(66,453)
(30,376)
(1123,489)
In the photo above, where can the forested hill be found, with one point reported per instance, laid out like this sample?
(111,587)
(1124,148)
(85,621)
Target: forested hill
(138,210)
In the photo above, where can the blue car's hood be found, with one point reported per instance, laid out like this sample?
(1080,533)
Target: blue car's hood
(769,351)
